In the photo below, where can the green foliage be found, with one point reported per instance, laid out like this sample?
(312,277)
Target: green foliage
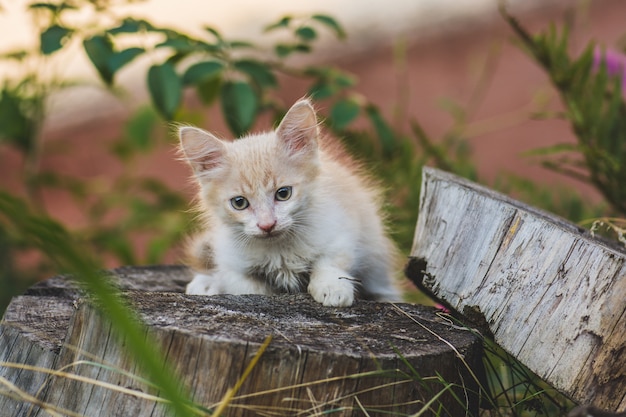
(515,390)
(107,61)
(52,39)
(344,112)
(218,69)
(165,88)
(16,122)
(384,132)
(304,32)
(66,255)
(245,79)
(563,201)
(212,65)
(594,108)
(239,105)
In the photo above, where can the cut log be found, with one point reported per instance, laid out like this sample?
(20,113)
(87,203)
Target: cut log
(373,356)
(550,294)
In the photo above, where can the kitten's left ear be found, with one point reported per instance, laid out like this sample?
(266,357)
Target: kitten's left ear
(204,152)
(299,130)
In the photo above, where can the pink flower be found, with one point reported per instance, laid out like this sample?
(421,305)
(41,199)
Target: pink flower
(615,62)
(442,308)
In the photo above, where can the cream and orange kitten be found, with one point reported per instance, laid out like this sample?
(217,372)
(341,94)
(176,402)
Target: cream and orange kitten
(286,211)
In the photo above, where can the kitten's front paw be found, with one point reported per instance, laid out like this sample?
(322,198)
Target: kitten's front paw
(334,291)
(202,285)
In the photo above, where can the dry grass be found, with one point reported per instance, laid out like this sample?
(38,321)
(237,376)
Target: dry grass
(514,390)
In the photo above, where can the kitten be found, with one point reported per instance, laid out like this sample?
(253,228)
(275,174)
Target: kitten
(284,211)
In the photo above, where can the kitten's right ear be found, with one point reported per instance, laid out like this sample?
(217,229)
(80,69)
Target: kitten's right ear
(203,151)
(299,129)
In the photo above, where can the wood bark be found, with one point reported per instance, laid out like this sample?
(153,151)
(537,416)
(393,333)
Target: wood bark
(550,294)
(314,363)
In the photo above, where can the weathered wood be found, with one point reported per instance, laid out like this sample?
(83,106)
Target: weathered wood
(313,362)
(35,325)
(551,295)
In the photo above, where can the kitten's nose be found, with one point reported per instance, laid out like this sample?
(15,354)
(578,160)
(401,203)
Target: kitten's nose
(267,227)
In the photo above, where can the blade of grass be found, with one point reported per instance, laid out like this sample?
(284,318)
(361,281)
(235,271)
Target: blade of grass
(228,397)
(68,256)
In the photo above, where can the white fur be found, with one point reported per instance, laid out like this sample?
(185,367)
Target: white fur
(329,233)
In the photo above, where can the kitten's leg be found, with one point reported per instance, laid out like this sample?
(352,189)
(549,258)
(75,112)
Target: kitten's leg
(223,282)
(376,284)
(380,290)
(331,285)
(203,284)
(386,293)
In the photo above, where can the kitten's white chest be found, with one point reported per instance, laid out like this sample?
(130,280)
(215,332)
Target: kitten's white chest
(285,269)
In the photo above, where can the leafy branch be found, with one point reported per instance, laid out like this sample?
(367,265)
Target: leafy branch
(594,107)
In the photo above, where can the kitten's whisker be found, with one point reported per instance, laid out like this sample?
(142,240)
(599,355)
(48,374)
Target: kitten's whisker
(351,279)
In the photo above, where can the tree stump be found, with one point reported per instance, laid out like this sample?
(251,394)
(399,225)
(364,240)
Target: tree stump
(551,295)
(377,357)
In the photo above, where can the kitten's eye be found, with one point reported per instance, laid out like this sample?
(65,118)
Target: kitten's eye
(283,193)
(239,203)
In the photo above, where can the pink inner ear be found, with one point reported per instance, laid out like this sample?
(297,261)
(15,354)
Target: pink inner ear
(299,140)
(299,130)
(204,151)
(209,161)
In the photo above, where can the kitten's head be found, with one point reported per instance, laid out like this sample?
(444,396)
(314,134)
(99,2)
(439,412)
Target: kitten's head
(261,184)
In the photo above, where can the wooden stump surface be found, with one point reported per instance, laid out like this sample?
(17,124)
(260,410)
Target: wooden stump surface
(312,364)
(550,294)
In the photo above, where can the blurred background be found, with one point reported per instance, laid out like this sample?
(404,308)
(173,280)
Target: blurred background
(105,164)
(527,100)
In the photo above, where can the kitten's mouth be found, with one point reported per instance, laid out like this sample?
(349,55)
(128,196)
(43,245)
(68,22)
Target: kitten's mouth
(271,235)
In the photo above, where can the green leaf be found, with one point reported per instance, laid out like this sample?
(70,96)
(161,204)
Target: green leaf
(260,73)
(612,116)
(202,71)
(330,82)
(15,126)
(344,80)
(177,57)
(17,55)
(283,50)
(118,59)
(180,44)
(282,23)
(306,33)
(209,89)
(553,149)
(239,106)
(321,90)
(383,130)
(99,50)
(130,25)
(240,44)
(582,68)
(67,254)
(302,47)
(156,250)
(118,244)
(140,127)
(107,61)
(52,39)
(54,8)
(331,23)
(165,89)
(214,32)
(343,112)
